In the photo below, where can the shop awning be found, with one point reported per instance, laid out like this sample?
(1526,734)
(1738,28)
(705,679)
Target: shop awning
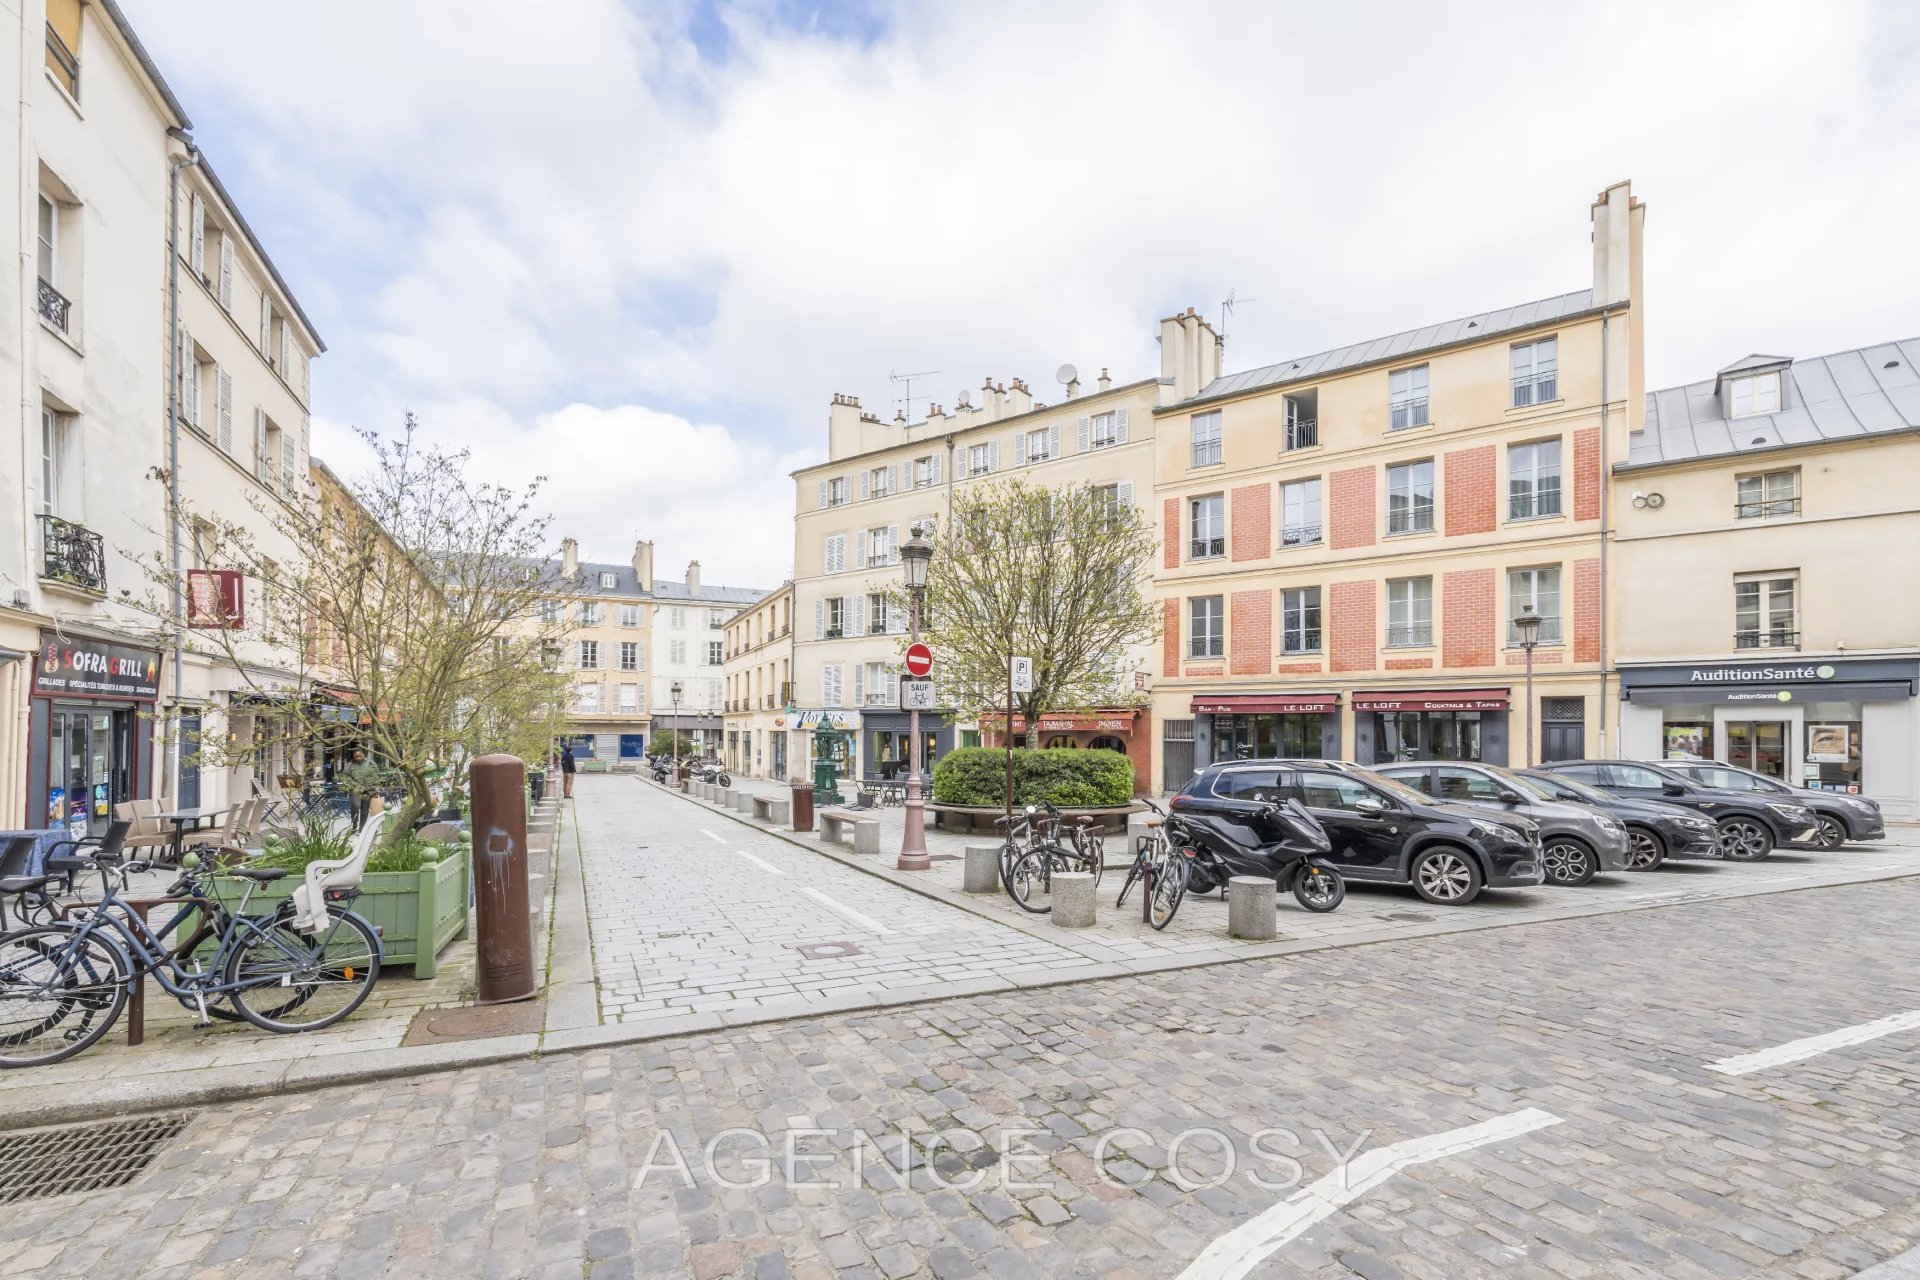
(1238,704)
(1433,700)
(1112,720)
(1738,695)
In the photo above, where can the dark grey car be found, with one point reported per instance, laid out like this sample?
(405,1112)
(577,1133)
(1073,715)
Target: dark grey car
(1578,842)
(1842,817)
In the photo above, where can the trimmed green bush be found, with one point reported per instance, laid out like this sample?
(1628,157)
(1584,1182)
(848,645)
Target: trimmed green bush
(1070,778)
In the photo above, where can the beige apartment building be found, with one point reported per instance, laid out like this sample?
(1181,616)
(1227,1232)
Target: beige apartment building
(608,613)
(1349,535)
(855,510)
(1767,534)
(759,676)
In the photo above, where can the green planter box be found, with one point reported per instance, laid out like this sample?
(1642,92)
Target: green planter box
(406,906)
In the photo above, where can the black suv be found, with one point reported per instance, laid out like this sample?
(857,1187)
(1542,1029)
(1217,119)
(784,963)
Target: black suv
(1656,830)
(1750,823)
(1383,831)
(1841,817)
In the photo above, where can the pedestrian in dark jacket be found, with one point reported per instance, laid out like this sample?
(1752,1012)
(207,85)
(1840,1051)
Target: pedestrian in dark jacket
(567,768)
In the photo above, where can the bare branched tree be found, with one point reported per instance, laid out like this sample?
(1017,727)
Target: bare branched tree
(1052,574)
(421,596)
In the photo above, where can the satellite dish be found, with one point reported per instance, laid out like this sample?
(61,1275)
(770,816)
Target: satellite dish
(1066,373)
(963,398)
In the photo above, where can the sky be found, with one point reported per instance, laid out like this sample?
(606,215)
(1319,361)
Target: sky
(636,247)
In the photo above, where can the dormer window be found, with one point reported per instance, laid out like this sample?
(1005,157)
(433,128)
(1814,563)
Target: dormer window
(1754,394)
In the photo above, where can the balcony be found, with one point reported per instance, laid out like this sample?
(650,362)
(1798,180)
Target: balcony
(1299,535)
(54,307)
(1765,508)
(768,703)
(1303,433)
(1549,633)
(1206,548)
(1410,635)
(72,554)
(1408,413)
(1771,638)
(1536,388)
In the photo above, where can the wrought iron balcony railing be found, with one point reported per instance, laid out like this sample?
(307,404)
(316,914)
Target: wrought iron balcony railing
(72,554)
(1303,433)
(1766,638)
(55,307)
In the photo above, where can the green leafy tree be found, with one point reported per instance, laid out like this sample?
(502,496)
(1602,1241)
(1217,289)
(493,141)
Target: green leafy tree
(1057,575)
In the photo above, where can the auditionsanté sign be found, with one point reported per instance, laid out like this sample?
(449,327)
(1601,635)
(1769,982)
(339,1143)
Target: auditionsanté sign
(1760,675)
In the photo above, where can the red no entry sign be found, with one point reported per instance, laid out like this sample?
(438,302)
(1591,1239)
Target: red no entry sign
(919,660)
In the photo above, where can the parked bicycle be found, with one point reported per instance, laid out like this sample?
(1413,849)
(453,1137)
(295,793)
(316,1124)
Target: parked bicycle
(305,966)
(1160,865)
(1030,881)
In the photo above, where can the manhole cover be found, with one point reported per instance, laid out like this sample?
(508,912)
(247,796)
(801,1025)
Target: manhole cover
(476,1022)
(828,950)
(88,1157)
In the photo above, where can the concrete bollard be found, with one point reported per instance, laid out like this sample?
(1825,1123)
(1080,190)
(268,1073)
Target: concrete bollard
(742,801)
(1073,899)
(1252,908)
(983,868)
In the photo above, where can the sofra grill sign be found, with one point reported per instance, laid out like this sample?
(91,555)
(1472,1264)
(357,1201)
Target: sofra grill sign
(78,666)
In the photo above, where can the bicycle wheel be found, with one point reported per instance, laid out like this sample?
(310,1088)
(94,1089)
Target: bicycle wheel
(58,995)
(1010,855)
(1126,886)
(288,982)
(1031,883)
(1169,887)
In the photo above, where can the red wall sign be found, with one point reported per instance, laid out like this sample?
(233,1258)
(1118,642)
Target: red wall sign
(215,600)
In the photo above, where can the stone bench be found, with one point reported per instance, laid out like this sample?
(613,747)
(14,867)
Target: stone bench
(866,831)
(772,809)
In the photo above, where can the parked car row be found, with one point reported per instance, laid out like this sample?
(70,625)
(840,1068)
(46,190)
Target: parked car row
(1453,828)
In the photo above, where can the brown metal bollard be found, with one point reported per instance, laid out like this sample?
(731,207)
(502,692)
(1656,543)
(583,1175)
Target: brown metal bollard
(505,943)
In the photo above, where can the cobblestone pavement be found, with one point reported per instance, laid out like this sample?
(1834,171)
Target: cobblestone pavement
(691,912)
(1370,911)
(1654,1165)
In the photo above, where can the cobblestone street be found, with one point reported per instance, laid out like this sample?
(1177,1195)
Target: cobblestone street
(1577,1051)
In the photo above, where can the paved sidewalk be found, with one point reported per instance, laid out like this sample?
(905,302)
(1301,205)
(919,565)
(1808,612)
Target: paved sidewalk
(1371,913)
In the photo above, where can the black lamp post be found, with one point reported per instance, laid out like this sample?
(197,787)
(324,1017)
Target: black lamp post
(673,692)
(916,555)
(1528,625)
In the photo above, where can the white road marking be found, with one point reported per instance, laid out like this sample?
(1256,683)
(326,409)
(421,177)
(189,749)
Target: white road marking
(1239,1251)
(709,835)
(865,922)
(1813,1046)
(761,863)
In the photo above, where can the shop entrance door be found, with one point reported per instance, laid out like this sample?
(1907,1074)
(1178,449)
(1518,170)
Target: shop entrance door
(1759,745)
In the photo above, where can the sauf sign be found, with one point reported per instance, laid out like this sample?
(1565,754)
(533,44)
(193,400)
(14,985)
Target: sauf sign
(82,666)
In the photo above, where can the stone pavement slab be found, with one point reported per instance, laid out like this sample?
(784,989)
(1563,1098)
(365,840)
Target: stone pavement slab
(1116,1129)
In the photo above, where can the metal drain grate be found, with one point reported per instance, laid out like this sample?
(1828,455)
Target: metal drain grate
(89,1157)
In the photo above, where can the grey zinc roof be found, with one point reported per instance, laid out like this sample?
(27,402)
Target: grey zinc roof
(1866,391)
(627,583)
(708,594)
(1400,345)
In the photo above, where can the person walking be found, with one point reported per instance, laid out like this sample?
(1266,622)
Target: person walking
(361,779)
(567,767)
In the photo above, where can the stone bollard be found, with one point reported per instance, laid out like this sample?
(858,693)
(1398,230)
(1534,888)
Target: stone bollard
(742,801)
(1252,908)
(983,868)
(1073,899)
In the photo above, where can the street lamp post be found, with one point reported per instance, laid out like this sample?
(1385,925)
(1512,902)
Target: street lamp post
(1528,625)
(673,692)
(916,555)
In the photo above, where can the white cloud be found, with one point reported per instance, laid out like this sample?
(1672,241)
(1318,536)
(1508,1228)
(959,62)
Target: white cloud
(581,209)
(611,476)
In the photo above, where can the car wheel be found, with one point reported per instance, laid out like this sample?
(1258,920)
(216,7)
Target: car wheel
(1644,850)
(1744,839)
(1832,833)
(1446,877)
(1568,862)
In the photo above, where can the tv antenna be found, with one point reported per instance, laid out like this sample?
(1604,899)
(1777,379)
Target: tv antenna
(1226,311)
(905,381)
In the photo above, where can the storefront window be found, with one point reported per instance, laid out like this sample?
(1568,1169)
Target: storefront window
(1426,735)
(1287,737)
(1833,755)
(1687,740)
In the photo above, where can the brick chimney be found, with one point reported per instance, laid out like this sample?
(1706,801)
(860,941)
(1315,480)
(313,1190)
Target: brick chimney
(643,564)
(569,558)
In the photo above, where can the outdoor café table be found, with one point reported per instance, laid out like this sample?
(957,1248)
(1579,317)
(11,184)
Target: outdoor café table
(44,839)
(185,820)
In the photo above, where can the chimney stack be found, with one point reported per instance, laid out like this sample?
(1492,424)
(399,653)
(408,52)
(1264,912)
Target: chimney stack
(693,577)
(1073,387)
(1019,399)
(569,558)
(1105,381)
(643,564)
(843,427)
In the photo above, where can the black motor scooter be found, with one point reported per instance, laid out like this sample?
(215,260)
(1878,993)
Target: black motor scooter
(1282,842)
